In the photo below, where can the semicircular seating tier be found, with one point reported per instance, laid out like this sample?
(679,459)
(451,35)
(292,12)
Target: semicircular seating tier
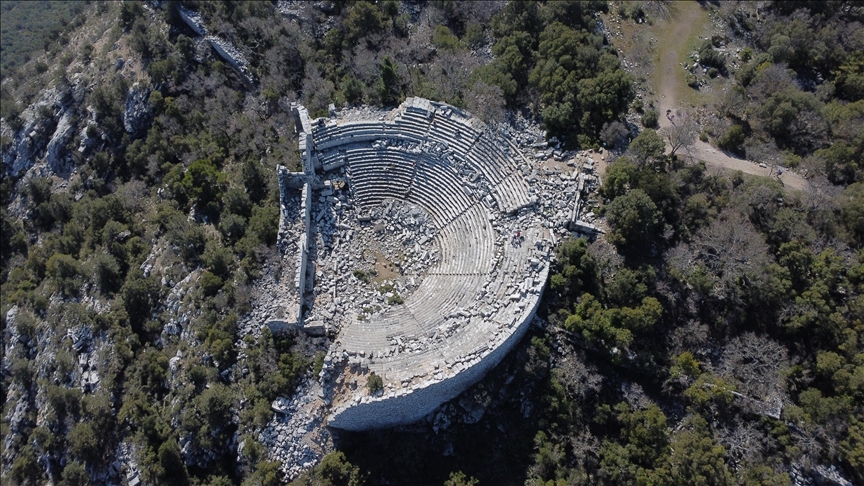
(476,301)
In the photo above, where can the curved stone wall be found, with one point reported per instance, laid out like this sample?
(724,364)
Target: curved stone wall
(417,403)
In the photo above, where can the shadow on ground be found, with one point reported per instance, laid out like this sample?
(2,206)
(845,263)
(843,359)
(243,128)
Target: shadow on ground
(487,433)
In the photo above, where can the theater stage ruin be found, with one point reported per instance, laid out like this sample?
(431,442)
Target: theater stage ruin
(420,240)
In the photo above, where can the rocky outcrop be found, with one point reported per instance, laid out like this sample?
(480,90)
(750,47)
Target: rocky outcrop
(57,157)
(46,127)
(137,112)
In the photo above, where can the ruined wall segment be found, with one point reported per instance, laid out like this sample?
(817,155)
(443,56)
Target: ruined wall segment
(295,205)
(224,48)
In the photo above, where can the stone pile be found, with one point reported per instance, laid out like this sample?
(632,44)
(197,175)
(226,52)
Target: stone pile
(295,436)
(396,237)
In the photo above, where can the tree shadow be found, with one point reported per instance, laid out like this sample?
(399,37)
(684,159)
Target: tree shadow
(489,436)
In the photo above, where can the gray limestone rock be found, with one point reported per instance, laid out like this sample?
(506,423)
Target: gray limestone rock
(137,112)
(56,155)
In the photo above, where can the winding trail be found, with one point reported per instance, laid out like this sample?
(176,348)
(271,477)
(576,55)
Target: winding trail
(687,17)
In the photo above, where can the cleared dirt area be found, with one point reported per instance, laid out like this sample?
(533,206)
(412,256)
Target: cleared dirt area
(687,19)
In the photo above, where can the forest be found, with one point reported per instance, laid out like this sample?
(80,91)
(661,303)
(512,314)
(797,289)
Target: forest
(714,335)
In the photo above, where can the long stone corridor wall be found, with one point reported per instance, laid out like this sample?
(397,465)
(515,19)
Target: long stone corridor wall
(293,236)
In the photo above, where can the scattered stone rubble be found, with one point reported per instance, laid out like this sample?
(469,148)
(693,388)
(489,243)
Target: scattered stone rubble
(296,436)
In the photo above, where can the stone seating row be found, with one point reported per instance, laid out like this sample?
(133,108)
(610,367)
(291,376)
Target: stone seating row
(328,137)
(412,127)
(376,175)
(517,258)
(441,130)
(511,193)
(467,343)
(416,319)
(467,244)
(484,156)
(373,335)
(487,160)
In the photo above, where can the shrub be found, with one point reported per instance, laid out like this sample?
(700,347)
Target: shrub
(365,276)
(74,474)
(692,81)
(710,57)
(458,478)
(442,38)
(64,271)
(84,441)
(265,224)
(474,36)
(374,383)
(139,296)
(388,84)
(210,283)
(129,11)
(232,227)
(733,139)
(649,119)
(352,89)
(104,271)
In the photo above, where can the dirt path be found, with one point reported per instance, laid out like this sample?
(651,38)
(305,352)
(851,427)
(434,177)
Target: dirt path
(686,17)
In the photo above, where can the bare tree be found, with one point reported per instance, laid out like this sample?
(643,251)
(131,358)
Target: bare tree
(756,364)
(693,336)
(744,440)
(820,195)
(450,74)
(607,258)
(733,103)
(316,89)
(682,132)
(580,379)
(614,134)
(364,64)
(486,102)
(731,250)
